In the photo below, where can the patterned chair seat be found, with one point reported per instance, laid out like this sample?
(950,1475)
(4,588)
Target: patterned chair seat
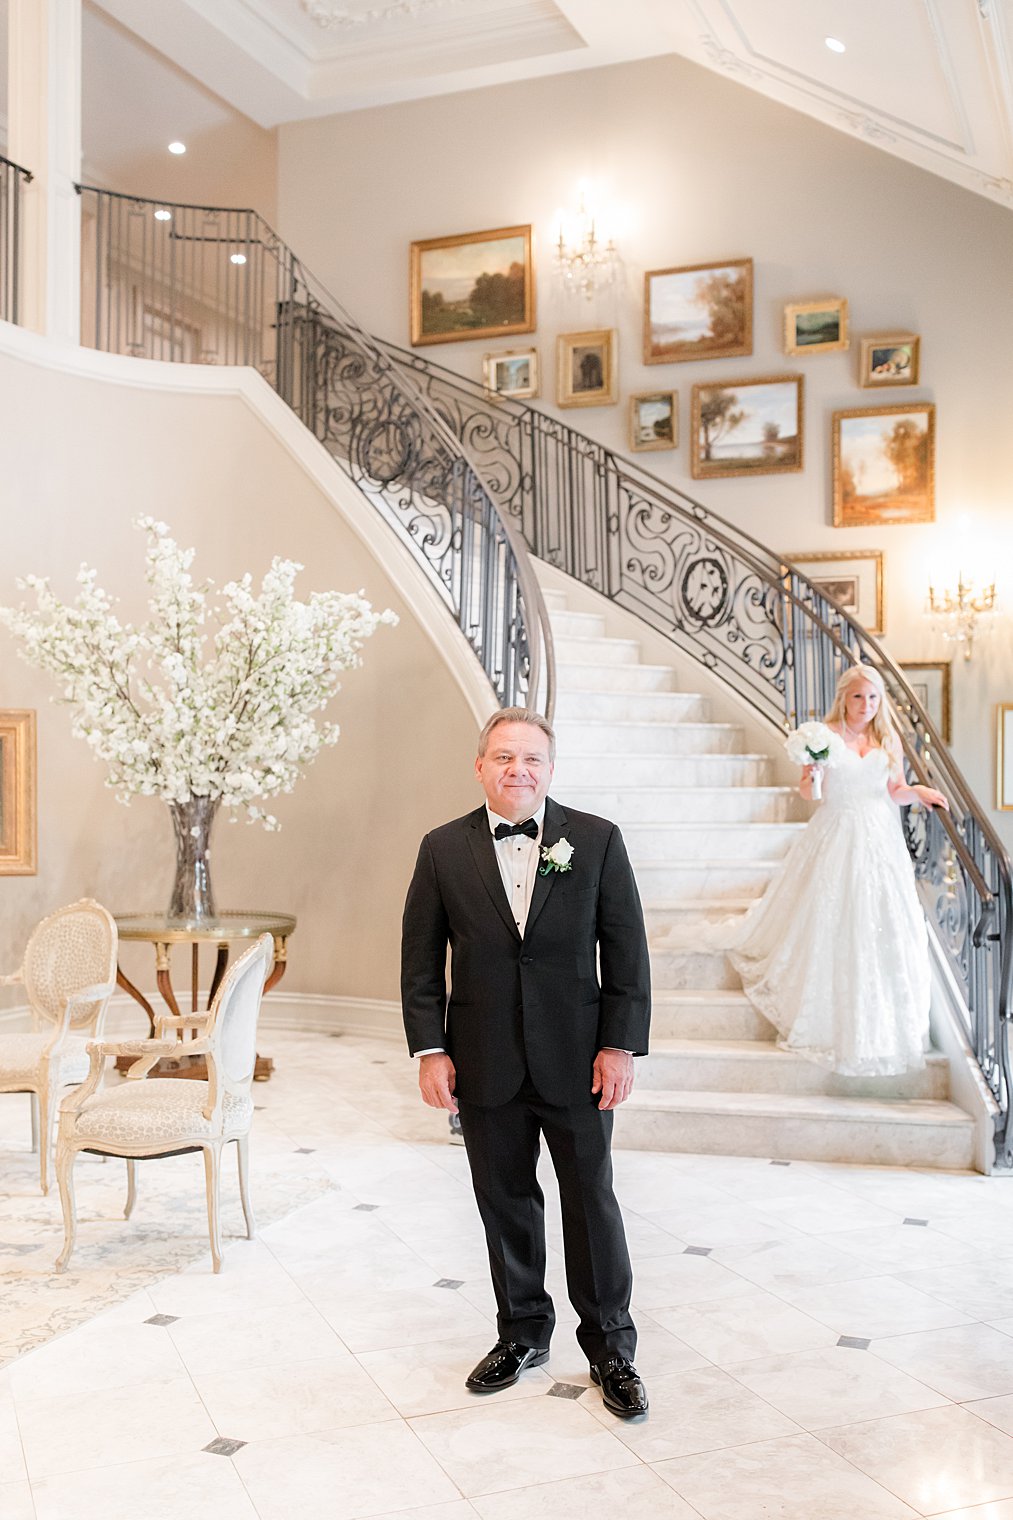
(166,1110)
(20,1055)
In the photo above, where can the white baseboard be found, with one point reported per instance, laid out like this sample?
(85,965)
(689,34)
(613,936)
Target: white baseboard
(313,1012)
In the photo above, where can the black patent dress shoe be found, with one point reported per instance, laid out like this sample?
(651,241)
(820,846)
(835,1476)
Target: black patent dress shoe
(621,1388)
(503,1366)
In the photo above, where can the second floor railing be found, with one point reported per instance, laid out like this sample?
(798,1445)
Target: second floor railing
(13,179)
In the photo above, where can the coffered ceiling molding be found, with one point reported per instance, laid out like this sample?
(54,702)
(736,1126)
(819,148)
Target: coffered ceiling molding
(327,13)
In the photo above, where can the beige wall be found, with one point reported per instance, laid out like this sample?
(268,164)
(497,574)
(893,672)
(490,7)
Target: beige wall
(78,459)
(701,168)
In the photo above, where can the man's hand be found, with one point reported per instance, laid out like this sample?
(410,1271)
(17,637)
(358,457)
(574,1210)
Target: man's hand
(613,1077)
(437,1079)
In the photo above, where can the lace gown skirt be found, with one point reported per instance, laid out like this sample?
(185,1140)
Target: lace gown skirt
(836,953)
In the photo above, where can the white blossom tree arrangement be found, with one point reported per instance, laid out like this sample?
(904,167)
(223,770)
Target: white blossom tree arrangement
(214,699)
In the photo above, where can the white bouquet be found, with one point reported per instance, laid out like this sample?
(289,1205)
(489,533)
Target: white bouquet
(813,744)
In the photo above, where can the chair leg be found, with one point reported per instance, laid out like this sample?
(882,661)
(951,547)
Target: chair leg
(212,1173)
(65,1157)
(46,1115)
(131,1187)
(243,1157)
(34,1101)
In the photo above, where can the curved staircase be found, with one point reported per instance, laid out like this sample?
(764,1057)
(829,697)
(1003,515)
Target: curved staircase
(706,829)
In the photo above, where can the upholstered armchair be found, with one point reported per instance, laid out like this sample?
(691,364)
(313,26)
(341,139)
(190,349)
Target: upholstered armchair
(165,1116)
(69,975)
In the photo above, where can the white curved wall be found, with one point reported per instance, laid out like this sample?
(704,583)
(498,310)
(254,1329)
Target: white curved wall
(88,442)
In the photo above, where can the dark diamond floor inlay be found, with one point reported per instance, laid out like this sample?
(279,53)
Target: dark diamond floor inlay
(449,1282)
(162,1319)
(916,1221)
(854,1342)
(566,1390)
(780,1163)
(305,1150)
(223,1447)
(366,1208)
(698,1250)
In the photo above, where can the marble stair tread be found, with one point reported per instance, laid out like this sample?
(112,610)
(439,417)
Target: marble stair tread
(784,1126)
(577,625)
(628,805)
(718,1013)
(674,843)
(623,736)
(573,675)
(691,879)
(584,771)
(581,651)
(630,706)
(736,1065)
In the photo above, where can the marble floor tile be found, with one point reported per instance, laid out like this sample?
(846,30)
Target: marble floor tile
(16,1502)
(965,1362)
(630,1492)
(338,1475)
(828,1210)
(794,1478)
(94,1357)
(874,1306)
(375,1321)
(808,1262)
(731,1223)
(935,1460)
(983,1289)
(187,1486)
(752,1325)
(135,1422)
(227,1342)
(293,1398)
(651,1237)
(659,1352)
(664,1282)
(834,1386)
(253,1281)
(906,1248)
(12,1461)
(998,1412)
(430,1379)
(457,1509)
(510,1446)
(693,1412)
(1001,1509)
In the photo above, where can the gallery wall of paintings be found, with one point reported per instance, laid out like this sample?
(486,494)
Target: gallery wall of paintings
(806,333)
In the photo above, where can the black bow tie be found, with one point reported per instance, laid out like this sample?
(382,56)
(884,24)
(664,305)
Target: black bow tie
(504,830)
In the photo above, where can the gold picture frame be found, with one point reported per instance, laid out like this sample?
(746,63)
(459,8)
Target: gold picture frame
(1004,757)
(892,448)
(816,327)
(674,329)
(586,369)
(932,683)
(654,421)
(751,439)
(483,286)
(855,581)
(889,359)
(18,811)
(514,372)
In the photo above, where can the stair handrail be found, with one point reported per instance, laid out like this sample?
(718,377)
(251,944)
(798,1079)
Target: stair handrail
(13,178)
(445,511)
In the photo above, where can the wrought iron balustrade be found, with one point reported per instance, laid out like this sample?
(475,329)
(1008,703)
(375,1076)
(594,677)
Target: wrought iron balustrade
(207,285)
(12,182)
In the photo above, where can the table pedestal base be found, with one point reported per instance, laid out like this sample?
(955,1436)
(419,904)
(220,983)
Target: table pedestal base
(193,1066)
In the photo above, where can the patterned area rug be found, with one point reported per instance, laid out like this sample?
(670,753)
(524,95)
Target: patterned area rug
(113,1256)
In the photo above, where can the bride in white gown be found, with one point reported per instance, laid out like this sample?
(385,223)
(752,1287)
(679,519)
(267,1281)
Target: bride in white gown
(835,954)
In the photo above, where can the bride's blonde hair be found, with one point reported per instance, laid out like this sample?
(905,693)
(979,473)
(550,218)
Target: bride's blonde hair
(880,726)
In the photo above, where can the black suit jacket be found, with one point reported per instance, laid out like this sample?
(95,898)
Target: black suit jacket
(535,1003)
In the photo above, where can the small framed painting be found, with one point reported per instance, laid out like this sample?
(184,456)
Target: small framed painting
(18,822)
(892,359)
(513,373)
(932,683)
(1004,757)
(816,327)
(586,368)
(747,427)
(884,465)
(476,285)
(654,421)
(854,580)
(698,311)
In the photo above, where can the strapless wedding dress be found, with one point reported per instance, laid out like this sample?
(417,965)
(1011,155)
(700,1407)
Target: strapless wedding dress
(835,954)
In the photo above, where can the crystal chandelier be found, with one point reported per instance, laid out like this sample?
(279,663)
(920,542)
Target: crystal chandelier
(584,264)
(955,614)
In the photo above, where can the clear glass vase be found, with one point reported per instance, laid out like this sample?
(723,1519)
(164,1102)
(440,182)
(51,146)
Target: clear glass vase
(193,900)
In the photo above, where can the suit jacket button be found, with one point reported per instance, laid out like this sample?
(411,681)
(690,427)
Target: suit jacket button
(526,960)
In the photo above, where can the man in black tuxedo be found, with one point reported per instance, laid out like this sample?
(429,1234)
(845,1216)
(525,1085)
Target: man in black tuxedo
(531,897)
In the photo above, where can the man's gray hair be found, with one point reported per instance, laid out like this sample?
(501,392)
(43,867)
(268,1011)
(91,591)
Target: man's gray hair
(518,715)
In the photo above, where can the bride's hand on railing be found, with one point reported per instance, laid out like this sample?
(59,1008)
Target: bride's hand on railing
(930,798)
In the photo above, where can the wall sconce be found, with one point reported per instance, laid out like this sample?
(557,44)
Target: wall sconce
(584,264)
(955,615)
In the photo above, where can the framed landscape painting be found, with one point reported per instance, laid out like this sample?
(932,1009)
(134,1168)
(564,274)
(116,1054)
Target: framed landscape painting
(816,327)
(891,359)
(698,311)
(1004,756)
(654,421)
(932,683)
(852,579)
(513,373)
(17,793)
(884,465)
(747,427)
(586,368)
(477,285)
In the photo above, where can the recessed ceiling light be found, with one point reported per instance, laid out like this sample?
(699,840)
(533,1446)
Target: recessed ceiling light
(177,147)
(238,258)
(161,215)
(835,44)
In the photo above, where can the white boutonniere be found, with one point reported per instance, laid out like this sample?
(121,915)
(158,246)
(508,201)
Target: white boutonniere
(556,857)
